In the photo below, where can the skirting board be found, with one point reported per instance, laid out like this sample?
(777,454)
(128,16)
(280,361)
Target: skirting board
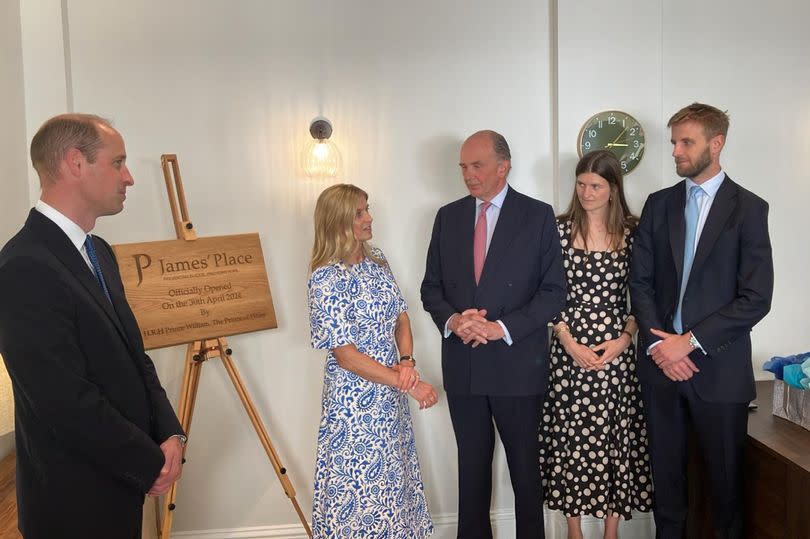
(503,527)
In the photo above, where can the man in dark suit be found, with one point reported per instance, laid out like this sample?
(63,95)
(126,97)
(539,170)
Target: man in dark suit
(94,429)
(702,277)
(493,281)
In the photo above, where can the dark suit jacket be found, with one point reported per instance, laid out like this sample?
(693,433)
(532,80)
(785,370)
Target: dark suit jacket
(522,284)
(90,411)
(729,289)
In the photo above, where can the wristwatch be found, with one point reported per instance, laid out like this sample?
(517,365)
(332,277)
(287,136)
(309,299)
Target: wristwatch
(181,438)
(693,342)
(408,358)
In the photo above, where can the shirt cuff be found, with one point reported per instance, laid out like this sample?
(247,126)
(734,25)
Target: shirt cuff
(653,345)
(507,338)
(447,331)
(181,438)
(698,344)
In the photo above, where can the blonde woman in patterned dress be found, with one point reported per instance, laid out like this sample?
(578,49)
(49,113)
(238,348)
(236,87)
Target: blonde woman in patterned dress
(594,442)
(367,478)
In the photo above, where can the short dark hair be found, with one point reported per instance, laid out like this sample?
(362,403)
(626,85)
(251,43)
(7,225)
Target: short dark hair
(60,134)
(714,121)
(499,144)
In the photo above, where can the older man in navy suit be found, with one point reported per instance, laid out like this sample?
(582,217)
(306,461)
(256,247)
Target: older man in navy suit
(701,278)
(493,281)
(95,432)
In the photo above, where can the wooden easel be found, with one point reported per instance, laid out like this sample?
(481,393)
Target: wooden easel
(197,354)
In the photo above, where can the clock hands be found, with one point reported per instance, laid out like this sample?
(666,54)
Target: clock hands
(614,145)
(618,137)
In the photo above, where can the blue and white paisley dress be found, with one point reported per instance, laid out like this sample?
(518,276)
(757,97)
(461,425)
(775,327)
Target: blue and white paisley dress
(367,478)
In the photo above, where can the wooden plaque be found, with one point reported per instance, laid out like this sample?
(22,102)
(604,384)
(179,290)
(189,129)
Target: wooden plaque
(184,291)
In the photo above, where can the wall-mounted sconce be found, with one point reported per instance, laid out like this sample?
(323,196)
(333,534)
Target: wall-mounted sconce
(6,401)
(321,158)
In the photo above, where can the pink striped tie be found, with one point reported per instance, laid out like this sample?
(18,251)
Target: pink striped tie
(480,241)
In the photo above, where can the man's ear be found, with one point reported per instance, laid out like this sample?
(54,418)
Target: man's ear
(716,144)
(75,161)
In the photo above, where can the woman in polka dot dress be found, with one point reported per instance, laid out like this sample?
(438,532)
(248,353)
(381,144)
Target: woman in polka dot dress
(594,442)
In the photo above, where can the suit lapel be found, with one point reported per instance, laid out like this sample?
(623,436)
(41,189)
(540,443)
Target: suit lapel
(724,203)
(65,252)
(466,232)
(676,221)
(119,300)
(507,227)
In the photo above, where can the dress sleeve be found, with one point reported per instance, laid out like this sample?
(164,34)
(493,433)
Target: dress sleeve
(399,300)
(402,305)
(332,316)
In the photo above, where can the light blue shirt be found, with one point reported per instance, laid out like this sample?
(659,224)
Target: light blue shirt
(493,212)
(710,187)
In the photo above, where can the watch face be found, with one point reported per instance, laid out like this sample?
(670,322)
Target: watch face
(617,132)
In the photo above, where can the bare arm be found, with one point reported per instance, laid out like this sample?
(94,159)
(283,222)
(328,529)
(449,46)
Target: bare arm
(351,359)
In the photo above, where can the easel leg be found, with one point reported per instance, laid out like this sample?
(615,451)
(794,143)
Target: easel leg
(281,472)
(188,396)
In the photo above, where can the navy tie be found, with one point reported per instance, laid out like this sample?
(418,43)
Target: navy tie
(692,214)
(91,254)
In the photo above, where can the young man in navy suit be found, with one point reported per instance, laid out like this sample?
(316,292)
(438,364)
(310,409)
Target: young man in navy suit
(493,281)
(701,278)
(95,432)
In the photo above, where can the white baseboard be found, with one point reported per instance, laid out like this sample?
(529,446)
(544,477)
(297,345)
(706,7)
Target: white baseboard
(503,527)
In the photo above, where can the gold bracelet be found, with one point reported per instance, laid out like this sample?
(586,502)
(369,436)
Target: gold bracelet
(563,329)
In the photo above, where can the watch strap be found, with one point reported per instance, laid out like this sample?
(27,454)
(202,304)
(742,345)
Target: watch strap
(408,358)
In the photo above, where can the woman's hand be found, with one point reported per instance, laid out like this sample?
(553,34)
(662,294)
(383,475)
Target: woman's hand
(612,348)
(408,376)
(583,356)
(424,394)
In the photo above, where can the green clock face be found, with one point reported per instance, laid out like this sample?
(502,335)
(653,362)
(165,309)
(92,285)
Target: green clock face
(616,131)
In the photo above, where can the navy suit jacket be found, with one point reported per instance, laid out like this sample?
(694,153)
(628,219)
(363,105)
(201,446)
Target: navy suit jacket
(522,284)
(90,410)
(729,290)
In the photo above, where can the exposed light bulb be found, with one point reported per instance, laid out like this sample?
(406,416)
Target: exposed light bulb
(321,158)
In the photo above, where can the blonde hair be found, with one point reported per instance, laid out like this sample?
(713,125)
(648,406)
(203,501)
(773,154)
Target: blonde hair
(713,120)
(334,217)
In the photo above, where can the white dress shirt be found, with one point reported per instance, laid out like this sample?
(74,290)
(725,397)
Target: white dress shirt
(74,232)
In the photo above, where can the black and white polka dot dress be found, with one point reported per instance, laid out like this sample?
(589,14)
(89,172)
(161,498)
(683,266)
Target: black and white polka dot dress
(594,457)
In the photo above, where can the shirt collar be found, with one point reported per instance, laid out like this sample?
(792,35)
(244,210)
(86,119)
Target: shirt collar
(496,201)
(710,186)
(73,231)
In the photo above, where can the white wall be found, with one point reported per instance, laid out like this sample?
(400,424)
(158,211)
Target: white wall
(13,171)
(232,89)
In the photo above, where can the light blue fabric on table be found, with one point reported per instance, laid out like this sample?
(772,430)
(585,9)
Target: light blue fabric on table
(806,370)
(793,375)
(777,363)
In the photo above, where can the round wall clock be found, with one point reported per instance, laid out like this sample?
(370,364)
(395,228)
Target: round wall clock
(617,132)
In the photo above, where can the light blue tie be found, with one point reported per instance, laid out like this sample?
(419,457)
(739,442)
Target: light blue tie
(91,254)
(692,214)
